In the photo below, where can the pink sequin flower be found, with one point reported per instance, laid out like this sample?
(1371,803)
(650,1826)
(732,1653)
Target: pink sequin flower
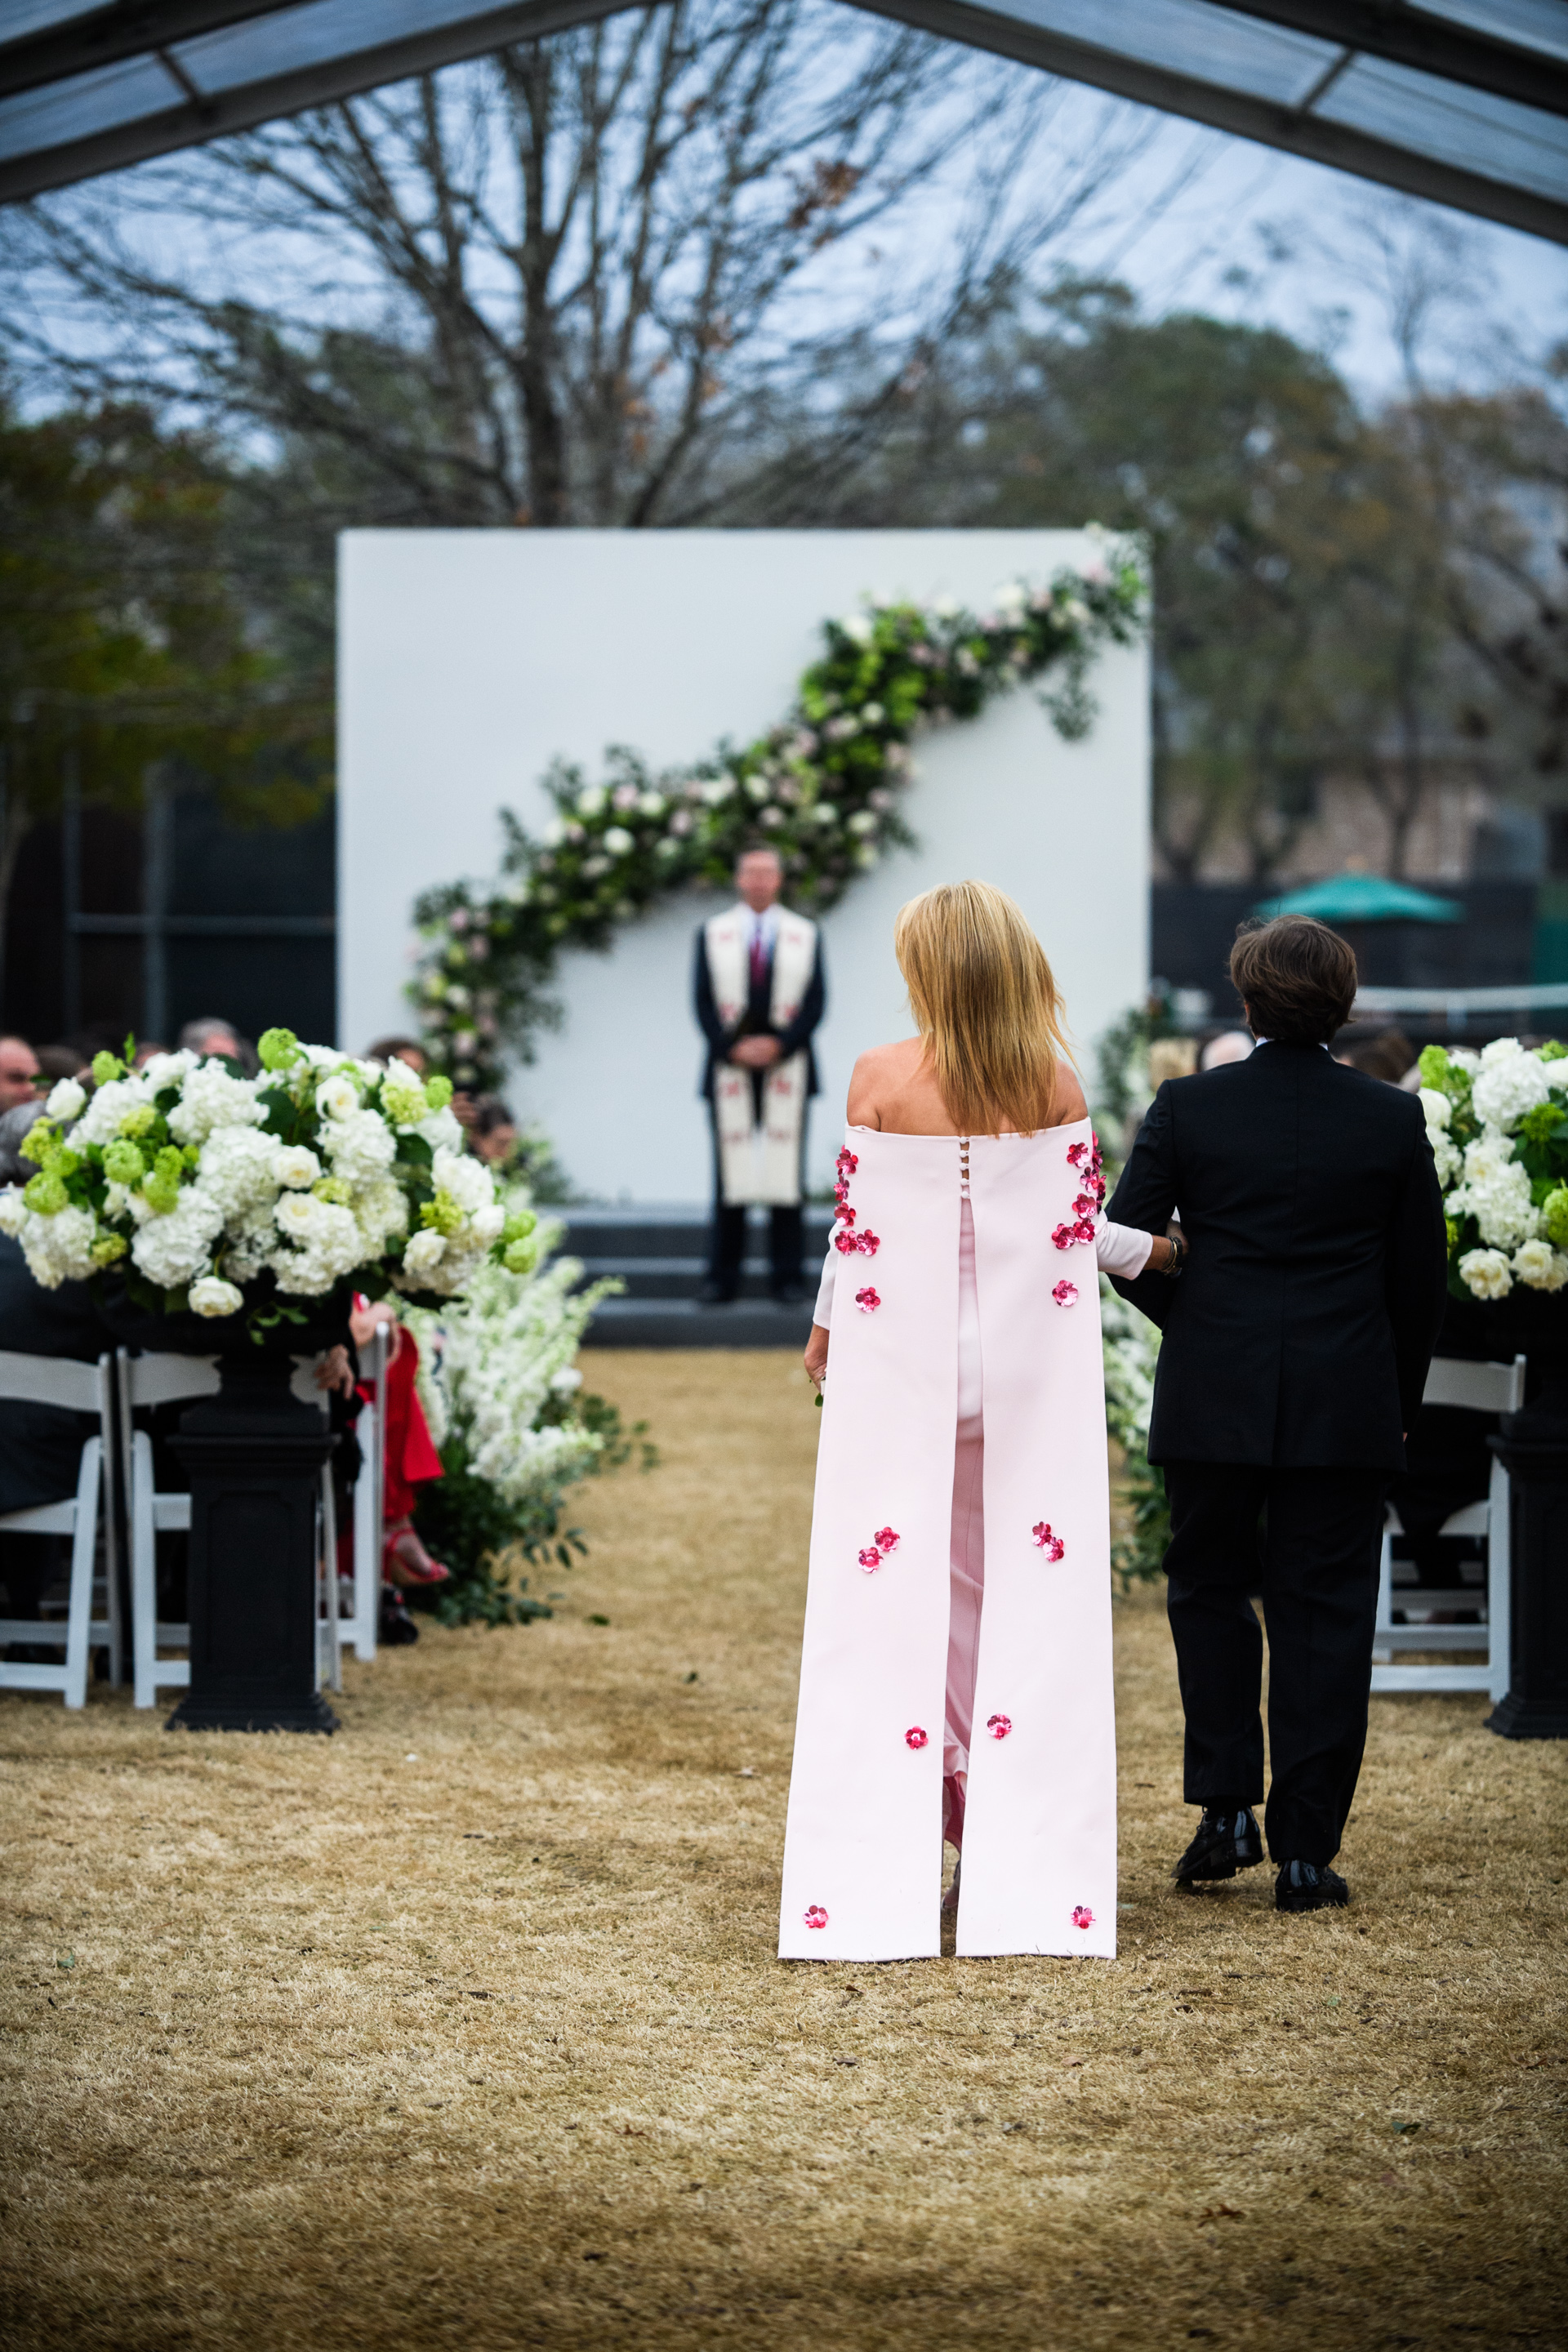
(1076,1154)
(1084,1230)
(1051,1545)
(817,1917)
(867,1301)
(1066,1236)
(1083,1917)
(1085,1205)
(870,1559)
(915,1737)
(867,1243)
(848,1161)
(1066,1294)
(887,1540)
(999,1726)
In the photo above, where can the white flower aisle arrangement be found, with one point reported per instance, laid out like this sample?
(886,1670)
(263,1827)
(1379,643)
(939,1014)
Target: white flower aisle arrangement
(203,1189)
(1498,1124)
(824,786)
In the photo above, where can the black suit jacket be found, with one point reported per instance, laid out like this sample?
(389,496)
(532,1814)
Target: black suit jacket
(757,1021)
(1300,1331)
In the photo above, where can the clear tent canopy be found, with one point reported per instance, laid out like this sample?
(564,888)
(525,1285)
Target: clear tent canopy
(1461,101)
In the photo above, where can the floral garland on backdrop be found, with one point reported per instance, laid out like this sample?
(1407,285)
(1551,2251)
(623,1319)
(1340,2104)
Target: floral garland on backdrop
(822,787)
(1498,1122)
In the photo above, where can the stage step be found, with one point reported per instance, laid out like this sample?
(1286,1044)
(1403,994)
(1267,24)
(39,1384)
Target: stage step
(661,1252)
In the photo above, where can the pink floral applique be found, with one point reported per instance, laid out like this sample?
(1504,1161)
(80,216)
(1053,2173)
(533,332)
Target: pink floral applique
(1076,1154)
(844,1241)
(1084,1230)
(870,1559)
(1065,1236)
(887,1540)
(846,1215)
(1051,1545)
(867,1243)
(817,1917)
(1085,1205)
(1083,1917)
(867,1301)
(1066,1294)
(999,1726)
(848,1161)
(915,1737)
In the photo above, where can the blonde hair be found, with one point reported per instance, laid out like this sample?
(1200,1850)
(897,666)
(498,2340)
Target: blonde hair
(985,1005)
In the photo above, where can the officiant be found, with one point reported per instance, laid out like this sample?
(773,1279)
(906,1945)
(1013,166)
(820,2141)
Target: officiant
(759,994)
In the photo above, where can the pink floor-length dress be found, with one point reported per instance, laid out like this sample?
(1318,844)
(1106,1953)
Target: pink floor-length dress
(962,1461)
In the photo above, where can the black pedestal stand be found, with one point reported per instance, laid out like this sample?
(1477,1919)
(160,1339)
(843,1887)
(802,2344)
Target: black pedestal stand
(1534,1448)
(255,1454)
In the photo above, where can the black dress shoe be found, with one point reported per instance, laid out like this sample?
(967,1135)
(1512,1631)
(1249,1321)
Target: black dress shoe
(715,1293)
(1228,1841)
(1309,1887)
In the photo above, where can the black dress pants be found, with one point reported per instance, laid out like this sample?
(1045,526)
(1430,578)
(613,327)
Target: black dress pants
(1316,1561)
(727,1248)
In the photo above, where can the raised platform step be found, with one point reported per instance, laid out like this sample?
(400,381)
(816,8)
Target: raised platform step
(661,1252)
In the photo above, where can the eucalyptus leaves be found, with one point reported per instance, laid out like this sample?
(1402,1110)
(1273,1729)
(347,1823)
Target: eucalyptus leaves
(823,787)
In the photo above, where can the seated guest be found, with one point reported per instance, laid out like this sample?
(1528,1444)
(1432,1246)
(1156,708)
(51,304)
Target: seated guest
(408,1450)
(493,1135)
(1389,1057)
(19,1072)
(400,1049)
(1230,1045)
(210,1035)
(146,1048)
(56,1062)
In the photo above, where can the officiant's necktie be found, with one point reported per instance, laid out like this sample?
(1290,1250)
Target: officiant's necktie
(759,958)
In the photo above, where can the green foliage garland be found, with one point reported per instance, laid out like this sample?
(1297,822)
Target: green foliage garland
(823,787)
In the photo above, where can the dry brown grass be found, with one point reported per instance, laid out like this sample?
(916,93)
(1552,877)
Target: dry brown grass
(484,2044)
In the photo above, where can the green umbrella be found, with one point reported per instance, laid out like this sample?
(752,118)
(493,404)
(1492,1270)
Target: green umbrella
(1364,898)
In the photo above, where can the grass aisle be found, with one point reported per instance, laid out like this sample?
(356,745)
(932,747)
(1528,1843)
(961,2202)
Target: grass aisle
(464,2028)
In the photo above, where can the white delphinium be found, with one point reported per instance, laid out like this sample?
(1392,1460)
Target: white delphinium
(1541,1267)
(1486,1273)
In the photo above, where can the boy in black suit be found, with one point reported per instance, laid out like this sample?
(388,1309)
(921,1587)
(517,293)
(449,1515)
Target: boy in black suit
(1295,1351)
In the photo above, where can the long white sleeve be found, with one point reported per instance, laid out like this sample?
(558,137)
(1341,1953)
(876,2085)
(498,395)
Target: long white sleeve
(1118,1249)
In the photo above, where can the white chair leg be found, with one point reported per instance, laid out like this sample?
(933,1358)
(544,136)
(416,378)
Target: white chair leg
(84,1554)
(1383,1651)
(1499,1588)
(143,1571)
(367,1536)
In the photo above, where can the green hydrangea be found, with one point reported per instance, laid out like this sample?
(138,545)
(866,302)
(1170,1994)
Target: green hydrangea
(403,1104)
(439,1092)
(441,1215)
(1554,1217)
(279,1049)
(335,1189)
(1554,1050)
(124,1163)
(139,1121)
(106,1068)
(107,1249)
(518,1225)
(1540,1122)
(521,1257)
(45,1193)
(1437,1071)
(162,1189)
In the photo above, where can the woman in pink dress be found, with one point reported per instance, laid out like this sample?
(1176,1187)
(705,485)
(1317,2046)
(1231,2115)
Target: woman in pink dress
(955,1675)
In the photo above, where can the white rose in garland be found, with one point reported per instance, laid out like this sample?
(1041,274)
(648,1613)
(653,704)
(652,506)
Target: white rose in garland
(823,786)
(204,1189)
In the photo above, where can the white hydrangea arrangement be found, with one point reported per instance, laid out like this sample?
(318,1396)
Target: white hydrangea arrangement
(1498,1124)
(209,1191)
(497,1369)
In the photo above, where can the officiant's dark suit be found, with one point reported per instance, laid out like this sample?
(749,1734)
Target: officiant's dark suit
(1295,1351)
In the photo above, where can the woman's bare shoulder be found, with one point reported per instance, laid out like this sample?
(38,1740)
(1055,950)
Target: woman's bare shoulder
(878,1072)
(1068,1103)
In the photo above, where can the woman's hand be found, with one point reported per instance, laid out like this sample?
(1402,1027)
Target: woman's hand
(816,1356)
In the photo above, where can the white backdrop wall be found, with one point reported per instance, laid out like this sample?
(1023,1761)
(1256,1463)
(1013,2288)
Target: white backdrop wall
(469,659)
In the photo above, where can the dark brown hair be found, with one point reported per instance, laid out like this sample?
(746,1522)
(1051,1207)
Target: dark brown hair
(1295,977)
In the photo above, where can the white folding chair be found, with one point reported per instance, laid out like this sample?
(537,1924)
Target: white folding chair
(370,1496)
(1475,1388)
(77,1387)
(146,1380)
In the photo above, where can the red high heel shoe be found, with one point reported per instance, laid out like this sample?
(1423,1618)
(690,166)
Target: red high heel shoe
(407,1575)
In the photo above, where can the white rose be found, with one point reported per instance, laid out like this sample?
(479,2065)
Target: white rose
(488,1224)
(296,1214)
(591,801)
(1502,1049)
(295,1166)
(423,1255)
(618,840)
(651,804)
(212,1296)
(1486,1273)
(857,629)
(337,1099)
(567,1380)
(1439,1110)
(66,1101)
(468,1179)
(1542,1267)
